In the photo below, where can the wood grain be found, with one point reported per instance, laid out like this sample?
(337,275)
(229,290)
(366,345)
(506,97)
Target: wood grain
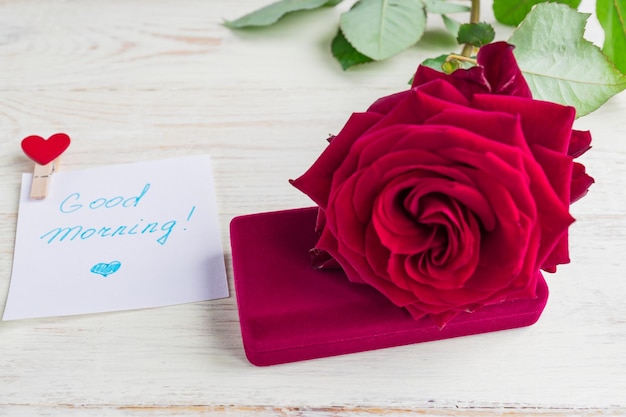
(142,80)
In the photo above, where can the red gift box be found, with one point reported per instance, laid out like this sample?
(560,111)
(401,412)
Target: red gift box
(289,311)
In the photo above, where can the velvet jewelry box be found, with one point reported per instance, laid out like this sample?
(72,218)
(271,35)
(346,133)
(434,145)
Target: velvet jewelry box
(289,311)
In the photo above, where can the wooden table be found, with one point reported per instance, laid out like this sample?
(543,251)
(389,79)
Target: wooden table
(141,80)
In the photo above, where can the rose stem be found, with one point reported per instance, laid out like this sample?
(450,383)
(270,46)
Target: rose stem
(474,18)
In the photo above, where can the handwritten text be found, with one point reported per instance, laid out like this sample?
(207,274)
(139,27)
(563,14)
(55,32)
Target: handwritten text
(78,232)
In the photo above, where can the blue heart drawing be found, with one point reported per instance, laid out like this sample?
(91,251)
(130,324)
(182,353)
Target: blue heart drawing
(106,269)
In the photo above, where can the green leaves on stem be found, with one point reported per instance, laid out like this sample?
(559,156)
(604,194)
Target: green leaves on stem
(380,29)
(269,15)
(612,17)
(371,30)
(512,12)
(477,34)
(345,53)
(559,64)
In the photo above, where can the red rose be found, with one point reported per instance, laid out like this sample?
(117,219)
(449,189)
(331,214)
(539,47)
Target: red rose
(454,194)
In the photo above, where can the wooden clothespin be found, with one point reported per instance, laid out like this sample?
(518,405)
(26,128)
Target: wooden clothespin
(45,153)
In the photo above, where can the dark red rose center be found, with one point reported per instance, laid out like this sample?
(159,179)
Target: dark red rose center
(440,236)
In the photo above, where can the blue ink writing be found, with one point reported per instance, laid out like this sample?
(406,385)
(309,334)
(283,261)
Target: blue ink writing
(70,233)
(167,226)
(193,208)
(106,269)
(72,203)
(79,232)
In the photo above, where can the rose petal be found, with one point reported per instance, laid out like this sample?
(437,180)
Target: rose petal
(543,123)
(501,70)
(498,126)
(580,182)
(558,170)
(385,104)
(580,143)
(421,103)
(467,82)
(316,181)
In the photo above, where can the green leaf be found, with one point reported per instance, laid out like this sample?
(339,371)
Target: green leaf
(477,34)
(512,12)
(444,7)
(270,14)
(611,15)
(435,63)
(345,53)
(559,64)
(382,28)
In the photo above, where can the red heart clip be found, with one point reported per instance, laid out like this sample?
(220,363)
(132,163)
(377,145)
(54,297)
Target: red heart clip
(45,151)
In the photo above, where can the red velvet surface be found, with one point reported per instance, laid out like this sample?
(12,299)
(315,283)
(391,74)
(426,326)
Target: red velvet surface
(289,311)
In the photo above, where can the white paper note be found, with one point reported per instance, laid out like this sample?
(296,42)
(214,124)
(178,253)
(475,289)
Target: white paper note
(117,238)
